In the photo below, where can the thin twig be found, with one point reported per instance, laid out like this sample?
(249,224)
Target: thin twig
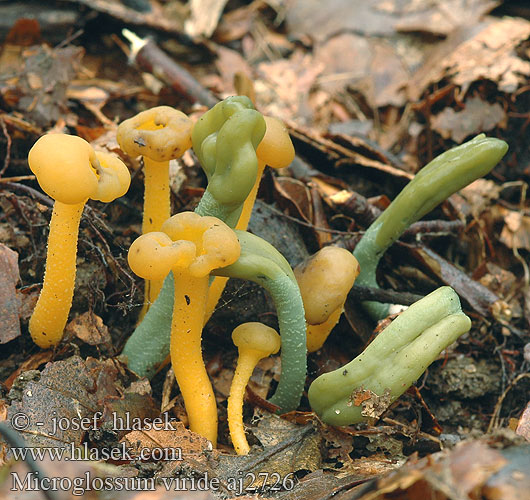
(385,296)
(15,440)
(149,57)
(7,157)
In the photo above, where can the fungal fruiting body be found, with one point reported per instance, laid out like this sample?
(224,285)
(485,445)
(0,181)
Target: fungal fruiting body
(159,135)
(325,280)
(261,263)
(443,176)
(71,172)
(254,341)
(275,150)
(190,246)
(224,139)
(392,362)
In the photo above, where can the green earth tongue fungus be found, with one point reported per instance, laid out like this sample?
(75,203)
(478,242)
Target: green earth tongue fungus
(443,176)
(262,263)
(225,141)
(392,362)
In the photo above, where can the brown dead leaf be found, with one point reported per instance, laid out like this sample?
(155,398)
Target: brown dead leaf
(479,194)
(373,17)
(68,390)
(459,473)
(516,230)
(205,15)
(130,410)
(485,51)
(372,67)
(480,298)
(339,444)
(89,328)
(44,81)
(523,427)
(283,88)
(187,444)
(235,24)
(287,448)
(9,301)
(229,63)
(477,116)
(441,17)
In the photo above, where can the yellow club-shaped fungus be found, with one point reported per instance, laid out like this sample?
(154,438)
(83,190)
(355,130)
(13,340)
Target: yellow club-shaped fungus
(325,280)
(254,341)
(158,135)
(190,246)
(70,171)
(275,150)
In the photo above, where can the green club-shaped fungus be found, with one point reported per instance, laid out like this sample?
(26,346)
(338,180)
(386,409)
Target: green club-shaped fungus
(225,141)
(261,263)
(392,362)
(443,176)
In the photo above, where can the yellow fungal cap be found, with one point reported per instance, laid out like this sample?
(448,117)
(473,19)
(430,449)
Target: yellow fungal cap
(256,337)
(216,243)
(153,255)
(160,133)
(276,148)
(325,280)
(187,240)
(114,177)
(65,166)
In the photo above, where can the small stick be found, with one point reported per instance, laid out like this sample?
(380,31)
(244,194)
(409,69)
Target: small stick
(432,227)
(149,57)
(18,179)
(8,147)
(360,293)
(15,440)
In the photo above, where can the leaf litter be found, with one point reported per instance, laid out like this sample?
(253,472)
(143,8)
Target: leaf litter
(402,81)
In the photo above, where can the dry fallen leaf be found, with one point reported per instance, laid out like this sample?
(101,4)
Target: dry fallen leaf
(9,301)
(284,86)
(477,116)
(487,52)
(523,427)
(184,443)
(89,328)
(373,17)
(67,390)
(516,230)
(373,67)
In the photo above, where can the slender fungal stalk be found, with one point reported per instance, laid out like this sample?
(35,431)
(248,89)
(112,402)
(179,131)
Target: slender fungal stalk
(186,353)
(50,315)
(148,347)
(245,367)
(156,194)
(156,209)
(219,282)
